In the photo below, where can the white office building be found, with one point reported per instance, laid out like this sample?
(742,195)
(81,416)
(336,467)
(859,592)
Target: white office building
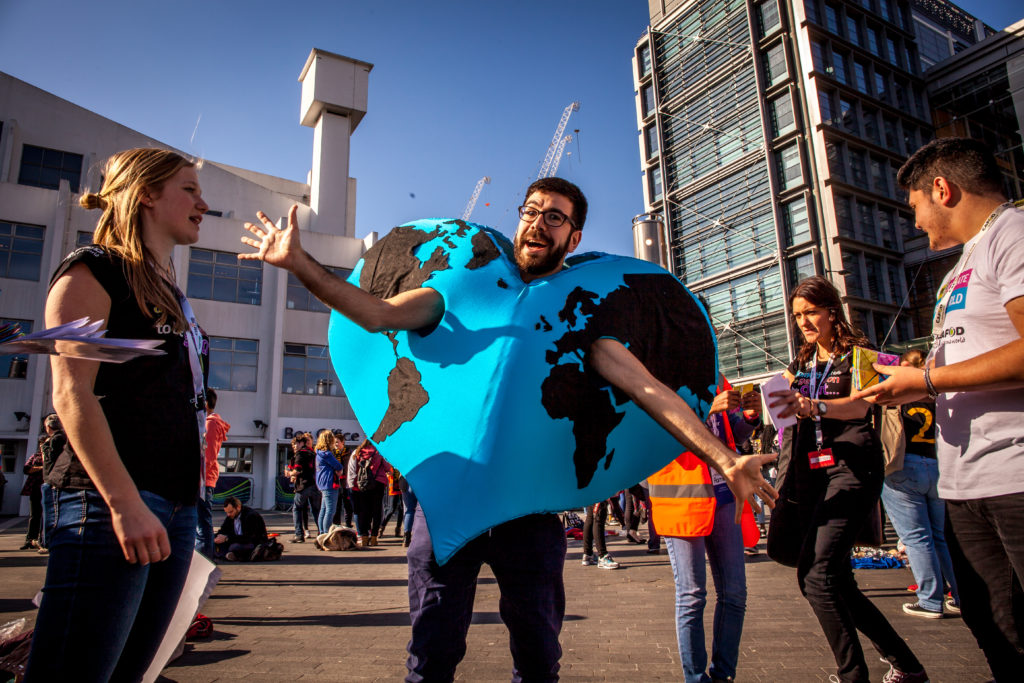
(269,361)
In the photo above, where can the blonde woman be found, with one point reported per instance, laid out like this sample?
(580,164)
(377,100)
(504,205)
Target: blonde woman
(328,468)
(120,498)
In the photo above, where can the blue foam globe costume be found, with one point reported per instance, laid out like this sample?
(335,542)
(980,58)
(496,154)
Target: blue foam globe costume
(494,414)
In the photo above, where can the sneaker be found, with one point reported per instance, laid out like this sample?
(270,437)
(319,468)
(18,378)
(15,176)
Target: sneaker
(299,539)
(894,675)
(606,562)
(230,557)
(634,537)
(654,551)
(46,551)
(751,551)
(951,606)
(27,546)
(588,560)
(915,609)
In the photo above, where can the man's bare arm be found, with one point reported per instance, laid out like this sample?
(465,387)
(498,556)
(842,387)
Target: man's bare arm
(1000,368)
(410,310)
(743,473)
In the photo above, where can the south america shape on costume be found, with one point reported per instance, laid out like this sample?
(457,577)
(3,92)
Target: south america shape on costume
(494,414)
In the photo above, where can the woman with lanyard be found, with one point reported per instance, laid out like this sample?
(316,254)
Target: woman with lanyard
(119,500)
(830,476)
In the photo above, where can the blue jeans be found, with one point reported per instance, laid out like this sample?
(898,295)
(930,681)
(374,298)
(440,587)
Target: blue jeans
(328,504)
(526,556)
(919,517)
(410,503)
(102,618)
(724,549)
(204,524)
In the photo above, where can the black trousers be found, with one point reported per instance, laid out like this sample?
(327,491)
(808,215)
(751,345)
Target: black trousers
(986,541)
(35,520)
(593,529)
(831,522)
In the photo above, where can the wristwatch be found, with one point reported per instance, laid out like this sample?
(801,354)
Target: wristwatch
(822,408)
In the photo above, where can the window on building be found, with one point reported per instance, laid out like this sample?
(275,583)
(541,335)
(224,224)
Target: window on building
(883,9)
(308,370)
(852,30)
(301,299)
(836,160)
(844,215)
(882,322)
(235,459)
(859,168)
(768,13)
(910,142)
(657,190)
(832,19)
(881,86)
(886,227)
(798,227)
(870,118)
(220,276)
(839,67)
(647,99)
(860,77)
(876,291)
(891,137)
(811,8)
(21,250)
(907,227)
(818,56)
(8,459)
(800,268)
(826,107)
(644,59)
(42,167)
(851,264)
(783,119)
(892,53)
(790,171)
(895,282)
(880,176)
(848,116)
(233,363)
(866,219)
(872,36)
(651,141)
(83,238)
(775,64)
(15,365)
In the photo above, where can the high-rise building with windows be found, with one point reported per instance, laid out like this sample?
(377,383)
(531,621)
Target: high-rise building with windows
(770,137)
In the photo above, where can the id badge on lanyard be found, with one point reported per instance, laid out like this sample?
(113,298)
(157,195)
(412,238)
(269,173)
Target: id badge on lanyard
(822,457)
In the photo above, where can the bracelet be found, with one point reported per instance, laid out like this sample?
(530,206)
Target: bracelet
(928,383)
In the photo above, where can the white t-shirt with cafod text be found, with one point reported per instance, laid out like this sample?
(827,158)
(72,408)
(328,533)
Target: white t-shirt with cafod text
(980,435)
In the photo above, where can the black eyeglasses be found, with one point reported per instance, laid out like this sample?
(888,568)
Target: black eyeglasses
(552,217)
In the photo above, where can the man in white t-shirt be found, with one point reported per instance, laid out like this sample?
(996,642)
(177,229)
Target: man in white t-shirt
(976,374)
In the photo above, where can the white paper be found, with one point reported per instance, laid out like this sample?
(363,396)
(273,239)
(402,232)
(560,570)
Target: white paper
(777,383)
(202,577)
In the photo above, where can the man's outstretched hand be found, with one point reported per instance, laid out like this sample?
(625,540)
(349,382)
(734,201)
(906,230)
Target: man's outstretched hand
(277,247)
(748,484)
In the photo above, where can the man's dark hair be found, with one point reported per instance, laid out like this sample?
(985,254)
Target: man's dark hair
(968,164)
(211,399)
(233,502)
(567,190)
(52,421)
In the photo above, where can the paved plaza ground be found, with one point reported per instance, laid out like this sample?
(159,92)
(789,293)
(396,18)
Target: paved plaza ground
(344,617)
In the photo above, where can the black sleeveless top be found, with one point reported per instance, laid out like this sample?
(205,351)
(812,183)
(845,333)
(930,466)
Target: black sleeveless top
(149,401)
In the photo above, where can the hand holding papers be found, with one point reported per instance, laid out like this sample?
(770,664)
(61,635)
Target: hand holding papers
(77,339)
(864,373)
(777,383)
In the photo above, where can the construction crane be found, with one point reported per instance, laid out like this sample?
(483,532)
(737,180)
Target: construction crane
(557,146)
(476,195)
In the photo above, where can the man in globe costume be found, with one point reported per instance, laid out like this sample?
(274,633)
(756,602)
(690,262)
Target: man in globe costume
(525,554)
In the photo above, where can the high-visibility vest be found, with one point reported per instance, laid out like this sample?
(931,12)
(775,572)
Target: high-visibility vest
(683,498)
(683,495)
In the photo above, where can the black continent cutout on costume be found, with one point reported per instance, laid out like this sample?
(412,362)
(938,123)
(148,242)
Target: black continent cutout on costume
(656,319)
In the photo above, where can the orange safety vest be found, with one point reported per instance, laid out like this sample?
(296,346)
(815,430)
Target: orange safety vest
(683,496)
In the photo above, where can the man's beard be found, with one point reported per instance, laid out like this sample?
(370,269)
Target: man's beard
(549,262)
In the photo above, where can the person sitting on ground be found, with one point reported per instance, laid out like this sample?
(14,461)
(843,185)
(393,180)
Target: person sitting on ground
(241,533)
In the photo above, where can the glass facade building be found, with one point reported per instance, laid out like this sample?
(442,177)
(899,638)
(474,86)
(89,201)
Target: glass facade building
(770,134)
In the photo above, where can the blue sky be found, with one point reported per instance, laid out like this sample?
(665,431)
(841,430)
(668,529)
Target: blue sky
(459,90)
